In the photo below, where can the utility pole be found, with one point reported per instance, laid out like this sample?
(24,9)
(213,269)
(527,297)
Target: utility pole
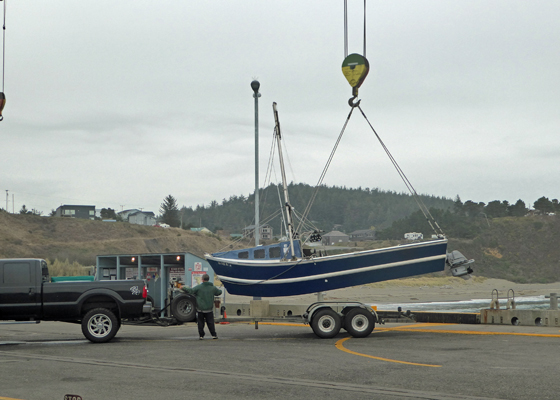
(255,85)
(7,200)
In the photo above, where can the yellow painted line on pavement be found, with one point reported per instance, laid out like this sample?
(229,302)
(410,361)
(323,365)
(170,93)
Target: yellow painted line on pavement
(420,328)
(416,325)
(8,398)
(282,324)
(462,332)
(340,345)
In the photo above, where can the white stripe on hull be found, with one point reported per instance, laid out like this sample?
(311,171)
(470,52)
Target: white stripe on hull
(331,274)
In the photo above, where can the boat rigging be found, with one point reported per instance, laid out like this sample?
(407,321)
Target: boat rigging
(286,269)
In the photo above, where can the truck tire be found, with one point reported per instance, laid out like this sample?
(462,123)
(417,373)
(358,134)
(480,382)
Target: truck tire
(100,325)
(359,322)
(183,308)
(326,323)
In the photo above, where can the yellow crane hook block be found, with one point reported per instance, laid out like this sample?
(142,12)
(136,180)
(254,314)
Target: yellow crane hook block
(2,102)
(355,68)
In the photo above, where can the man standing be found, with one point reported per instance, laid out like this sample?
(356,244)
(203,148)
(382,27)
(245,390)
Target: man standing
(204,294)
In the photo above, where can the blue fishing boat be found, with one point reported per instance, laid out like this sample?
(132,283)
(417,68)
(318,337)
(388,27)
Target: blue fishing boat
(271,271)
(287,269)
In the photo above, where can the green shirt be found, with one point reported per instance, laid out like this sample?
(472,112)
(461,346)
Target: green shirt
(204,294)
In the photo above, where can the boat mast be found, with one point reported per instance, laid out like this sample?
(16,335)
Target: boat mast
(286,197)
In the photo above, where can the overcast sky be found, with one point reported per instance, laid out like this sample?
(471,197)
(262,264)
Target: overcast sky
(120,103)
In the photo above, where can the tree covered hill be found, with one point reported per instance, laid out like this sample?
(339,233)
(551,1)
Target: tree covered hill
(507,241)
(348,209)
(519,249)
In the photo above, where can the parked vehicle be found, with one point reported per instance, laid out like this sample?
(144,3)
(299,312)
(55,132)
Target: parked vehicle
(27,294)
(417,236)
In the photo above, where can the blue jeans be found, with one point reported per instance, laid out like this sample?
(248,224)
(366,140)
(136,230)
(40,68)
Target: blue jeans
(209,318)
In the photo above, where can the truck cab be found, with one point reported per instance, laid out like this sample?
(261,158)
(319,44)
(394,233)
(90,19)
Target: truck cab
(20,288)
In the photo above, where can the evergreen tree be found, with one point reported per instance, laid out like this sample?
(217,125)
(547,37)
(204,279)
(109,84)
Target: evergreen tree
(518,209)
(544,205)
(170,212)
(496,209)
(472,209)
(458,205)
(108,213)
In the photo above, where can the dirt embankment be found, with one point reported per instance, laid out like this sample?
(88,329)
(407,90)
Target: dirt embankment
(82,240)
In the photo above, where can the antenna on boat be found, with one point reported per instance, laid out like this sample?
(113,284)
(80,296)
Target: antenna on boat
(355,67)
(284,184)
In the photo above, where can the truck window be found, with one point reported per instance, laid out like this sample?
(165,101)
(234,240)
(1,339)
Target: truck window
(17,274)
(45,271)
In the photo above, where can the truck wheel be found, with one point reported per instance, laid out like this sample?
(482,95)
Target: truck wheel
(359,323)
(100,325)
(326,323)
(183,308)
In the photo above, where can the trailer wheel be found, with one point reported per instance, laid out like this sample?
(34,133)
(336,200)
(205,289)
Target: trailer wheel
(100,325)
(326,323)
(183,308)
(359,323)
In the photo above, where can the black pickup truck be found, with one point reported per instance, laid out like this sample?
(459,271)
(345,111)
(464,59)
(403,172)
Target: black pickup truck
(27,294)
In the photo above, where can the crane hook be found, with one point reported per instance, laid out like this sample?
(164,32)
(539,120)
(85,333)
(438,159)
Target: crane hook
(355,68)
(351,102)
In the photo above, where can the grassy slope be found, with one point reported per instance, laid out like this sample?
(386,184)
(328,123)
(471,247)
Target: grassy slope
(82,240)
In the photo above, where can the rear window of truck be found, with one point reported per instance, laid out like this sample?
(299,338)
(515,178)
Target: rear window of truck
(16,274)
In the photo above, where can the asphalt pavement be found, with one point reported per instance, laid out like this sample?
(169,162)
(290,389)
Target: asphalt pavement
(397,361)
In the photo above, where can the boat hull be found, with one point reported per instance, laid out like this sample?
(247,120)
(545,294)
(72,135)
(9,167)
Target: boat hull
(274,278)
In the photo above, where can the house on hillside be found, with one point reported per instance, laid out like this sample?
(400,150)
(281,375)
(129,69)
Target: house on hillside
(142,218)
(75,211)
(138,217)
(265,231)
(335,237)
(363,234)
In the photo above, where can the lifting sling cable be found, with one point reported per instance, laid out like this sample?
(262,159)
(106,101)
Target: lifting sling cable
(355,68)
(2,95)
(320,181)
(407,183)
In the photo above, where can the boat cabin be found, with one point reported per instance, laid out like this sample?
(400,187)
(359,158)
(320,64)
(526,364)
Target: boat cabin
(277,251)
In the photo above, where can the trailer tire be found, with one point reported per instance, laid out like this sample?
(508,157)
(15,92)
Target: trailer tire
(183,308)
(100,325)
(326,323)
(359,322)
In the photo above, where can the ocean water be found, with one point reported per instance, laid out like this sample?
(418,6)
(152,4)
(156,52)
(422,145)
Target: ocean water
(474,305)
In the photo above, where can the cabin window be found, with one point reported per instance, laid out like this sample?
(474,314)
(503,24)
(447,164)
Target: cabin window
(274,252)
(259,253)
(243,254)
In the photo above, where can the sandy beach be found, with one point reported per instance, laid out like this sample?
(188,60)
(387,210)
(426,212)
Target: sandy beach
(419,290)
